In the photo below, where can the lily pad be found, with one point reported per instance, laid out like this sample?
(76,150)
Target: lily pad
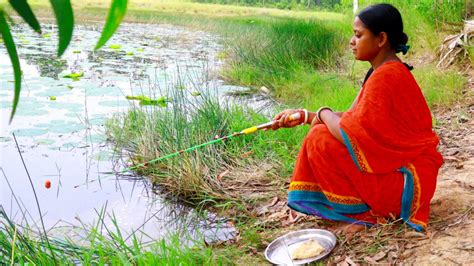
(95,138)
(30,132)
(52,98)
(115,46)
(74,76)
(144,100)
(5,139)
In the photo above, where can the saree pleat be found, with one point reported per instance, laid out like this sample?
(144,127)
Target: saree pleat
(387,165)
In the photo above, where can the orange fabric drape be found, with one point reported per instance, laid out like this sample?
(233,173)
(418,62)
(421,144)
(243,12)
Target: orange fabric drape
(387,165)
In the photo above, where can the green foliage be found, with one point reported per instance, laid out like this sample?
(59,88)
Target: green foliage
(115,16)
(13,54)
(65,19)
(144,100)
(152,132)
(20,245)
(280,4)
(24,10)
(440,87)
(265,51)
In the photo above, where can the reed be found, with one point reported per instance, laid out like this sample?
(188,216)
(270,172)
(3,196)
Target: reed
(20,244)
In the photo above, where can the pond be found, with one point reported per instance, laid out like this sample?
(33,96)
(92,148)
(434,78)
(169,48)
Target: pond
(60,130)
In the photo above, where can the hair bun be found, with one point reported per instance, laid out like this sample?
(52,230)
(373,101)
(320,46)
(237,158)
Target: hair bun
(403,38)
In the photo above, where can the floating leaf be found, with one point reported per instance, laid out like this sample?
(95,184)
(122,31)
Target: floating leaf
(144,100)
(140,49)
(76,51)
(139,98)
(24,41)
(24,10)
(130,53)
(159,102)
(74,76)
(52,98)
(115,46)
(65,20)
(180,87)
(195,93)
(70,87)
(11,49)
(115,16)
(46,35)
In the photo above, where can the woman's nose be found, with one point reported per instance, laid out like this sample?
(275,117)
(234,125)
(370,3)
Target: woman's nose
(352,41)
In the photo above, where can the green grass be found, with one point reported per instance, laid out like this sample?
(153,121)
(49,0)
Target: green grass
(301,56)
(267,51)
(21,245)
(441,88)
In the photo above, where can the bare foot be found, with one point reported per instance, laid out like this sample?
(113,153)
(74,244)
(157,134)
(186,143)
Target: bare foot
(348,229)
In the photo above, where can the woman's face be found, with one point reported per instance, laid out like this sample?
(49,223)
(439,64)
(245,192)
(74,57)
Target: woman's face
(364,44)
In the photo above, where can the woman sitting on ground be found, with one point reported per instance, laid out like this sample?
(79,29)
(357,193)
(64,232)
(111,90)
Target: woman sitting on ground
(379,159)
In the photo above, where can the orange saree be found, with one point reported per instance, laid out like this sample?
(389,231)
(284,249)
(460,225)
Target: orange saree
(387,165)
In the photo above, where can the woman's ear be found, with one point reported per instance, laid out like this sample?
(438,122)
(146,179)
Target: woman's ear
(383,39)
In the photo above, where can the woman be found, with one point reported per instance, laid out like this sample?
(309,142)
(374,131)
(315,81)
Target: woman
(377,160)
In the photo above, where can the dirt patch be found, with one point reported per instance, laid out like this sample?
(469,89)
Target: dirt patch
(451,227)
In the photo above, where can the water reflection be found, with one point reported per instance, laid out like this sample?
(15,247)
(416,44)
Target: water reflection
(59,126)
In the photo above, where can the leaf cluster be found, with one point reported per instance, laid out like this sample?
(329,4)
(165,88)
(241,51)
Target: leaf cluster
(65,20)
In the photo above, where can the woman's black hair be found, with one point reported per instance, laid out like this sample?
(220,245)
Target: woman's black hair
(386,18)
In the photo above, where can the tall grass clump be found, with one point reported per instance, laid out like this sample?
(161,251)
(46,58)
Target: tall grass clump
(21,245)
(149,132)
(267,51)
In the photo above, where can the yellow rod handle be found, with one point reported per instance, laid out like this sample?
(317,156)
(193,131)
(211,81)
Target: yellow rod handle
(249,130)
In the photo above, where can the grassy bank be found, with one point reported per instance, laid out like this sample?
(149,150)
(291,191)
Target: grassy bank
(21,244)
(300,56)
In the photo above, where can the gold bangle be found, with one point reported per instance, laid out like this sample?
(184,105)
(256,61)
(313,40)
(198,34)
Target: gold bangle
(318,113)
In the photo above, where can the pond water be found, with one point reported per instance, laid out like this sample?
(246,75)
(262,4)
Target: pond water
(59,126)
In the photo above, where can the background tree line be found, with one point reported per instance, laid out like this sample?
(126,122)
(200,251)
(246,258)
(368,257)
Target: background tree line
(451,11)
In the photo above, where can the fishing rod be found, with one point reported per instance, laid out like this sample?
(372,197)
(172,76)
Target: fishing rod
(246,131)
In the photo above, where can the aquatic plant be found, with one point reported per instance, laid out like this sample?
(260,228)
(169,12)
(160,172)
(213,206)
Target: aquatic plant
(65,21)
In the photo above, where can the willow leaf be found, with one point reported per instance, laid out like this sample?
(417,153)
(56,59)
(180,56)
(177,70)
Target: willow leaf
(65,20)
(116,13)
(24,10)
(11,49)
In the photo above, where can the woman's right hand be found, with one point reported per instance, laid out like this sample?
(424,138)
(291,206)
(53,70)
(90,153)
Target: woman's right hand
(283,119)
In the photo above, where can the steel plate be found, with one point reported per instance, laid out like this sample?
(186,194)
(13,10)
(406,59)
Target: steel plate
(280,250)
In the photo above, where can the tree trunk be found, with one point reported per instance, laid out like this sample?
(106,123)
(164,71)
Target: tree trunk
(356,6)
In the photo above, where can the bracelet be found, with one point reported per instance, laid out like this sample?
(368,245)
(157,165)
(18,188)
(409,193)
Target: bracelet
(305,120)
(315,121)
(320,110)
